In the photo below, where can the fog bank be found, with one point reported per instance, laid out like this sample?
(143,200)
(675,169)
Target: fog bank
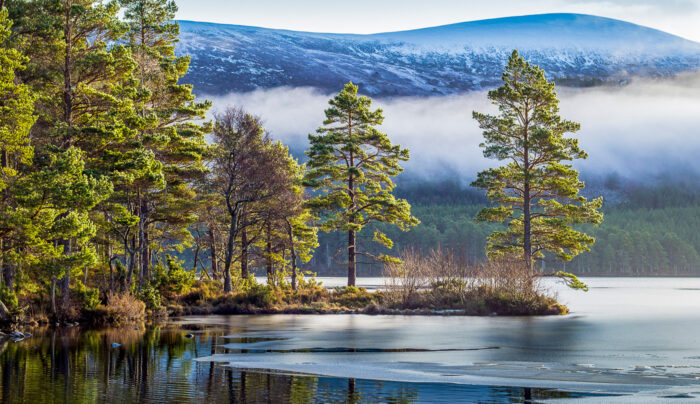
(647,127)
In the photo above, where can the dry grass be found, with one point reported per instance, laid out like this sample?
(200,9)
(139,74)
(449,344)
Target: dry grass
(126,305)
(120,307)
(441,280)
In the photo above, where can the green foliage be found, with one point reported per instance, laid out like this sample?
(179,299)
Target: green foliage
(172,278)
(8,297)
(179,279)
(151,297)
(571,281)
(258,295)
(351,165)
(89,296)
(307,280)
(351,297)
(536,193)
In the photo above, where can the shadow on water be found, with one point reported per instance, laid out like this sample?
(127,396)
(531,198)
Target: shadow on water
(155,364)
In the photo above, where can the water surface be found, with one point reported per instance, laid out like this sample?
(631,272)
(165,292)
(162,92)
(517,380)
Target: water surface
(627,340)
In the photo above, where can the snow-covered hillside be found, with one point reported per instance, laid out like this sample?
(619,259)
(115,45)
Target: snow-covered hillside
(574,49)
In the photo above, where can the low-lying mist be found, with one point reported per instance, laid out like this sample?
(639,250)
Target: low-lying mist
(645,128)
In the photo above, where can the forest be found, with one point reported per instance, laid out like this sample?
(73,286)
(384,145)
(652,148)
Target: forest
(649,228)
(121,191)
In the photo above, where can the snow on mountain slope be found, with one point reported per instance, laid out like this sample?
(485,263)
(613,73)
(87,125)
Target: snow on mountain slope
(574,49)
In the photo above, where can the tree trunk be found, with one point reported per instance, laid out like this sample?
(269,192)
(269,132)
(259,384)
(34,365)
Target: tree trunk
(110,261)
(352,274)
(229,255)
(132,259)
(244,254)
(4,313)
(352,267)
(294,256)
(146,258)
(527,244)
(212,248)
(196,258)
(268,254)
(67,80)
(142,242)
(53,297)
(127,265)
(8,268)
(65,281)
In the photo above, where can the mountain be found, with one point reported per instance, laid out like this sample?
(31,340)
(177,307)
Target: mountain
(574,49)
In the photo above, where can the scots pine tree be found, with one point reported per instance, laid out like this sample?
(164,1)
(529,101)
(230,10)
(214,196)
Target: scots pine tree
(16,119)
(537,191)
(351,164)
(83,79)
(167,127)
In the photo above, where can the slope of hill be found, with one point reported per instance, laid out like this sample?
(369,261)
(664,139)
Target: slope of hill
(574,49)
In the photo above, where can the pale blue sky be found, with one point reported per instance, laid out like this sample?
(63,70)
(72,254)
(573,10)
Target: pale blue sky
(680,17)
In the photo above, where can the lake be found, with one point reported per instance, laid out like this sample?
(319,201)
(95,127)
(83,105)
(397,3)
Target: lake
(627,340)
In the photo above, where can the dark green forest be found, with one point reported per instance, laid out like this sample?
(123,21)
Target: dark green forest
(649,229)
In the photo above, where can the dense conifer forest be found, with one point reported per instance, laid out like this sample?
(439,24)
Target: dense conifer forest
(650,229)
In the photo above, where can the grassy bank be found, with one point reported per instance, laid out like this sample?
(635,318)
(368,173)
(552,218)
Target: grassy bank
(433,284)
(318,300)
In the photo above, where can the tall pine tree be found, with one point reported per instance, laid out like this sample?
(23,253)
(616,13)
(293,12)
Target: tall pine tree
(85,85)
(351,164)
(168,111)
(536,192)
(16,119)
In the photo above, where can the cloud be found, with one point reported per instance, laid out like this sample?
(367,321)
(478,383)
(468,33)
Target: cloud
(645,128)
(667,6)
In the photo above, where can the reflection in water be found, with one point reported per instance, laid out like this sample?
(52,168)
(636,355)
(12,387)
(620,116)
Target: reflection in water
(156,365)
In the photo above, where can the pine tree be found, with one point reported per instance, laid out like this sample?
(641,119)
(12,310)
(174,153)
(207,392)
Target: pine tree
(350,168)
(85,85)
(167,113)
(16,119)
(536,192)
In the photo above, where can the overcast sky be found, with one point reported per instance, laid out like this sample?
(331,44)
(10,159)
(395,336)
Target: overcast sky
(680,17)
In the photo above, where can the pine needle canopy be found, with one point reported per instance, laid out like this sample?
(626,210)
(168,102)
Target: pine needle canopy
(351,165)
(537,191)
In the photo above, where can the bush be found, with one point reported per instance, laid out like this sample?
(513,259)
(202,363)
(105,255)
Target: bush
(174,278)
(179,279)
(351,296)
(258,295)
(307,280)
(201,291)
(440,280)
(89,296)
(150,296)
(120,307)
(8,297)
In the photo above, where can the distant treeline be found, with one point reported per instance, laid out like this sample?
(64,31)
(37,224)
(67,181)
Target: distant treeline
(648,229)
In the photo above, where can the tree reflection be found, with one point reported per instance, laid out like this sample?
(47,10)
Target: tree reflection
(156,364)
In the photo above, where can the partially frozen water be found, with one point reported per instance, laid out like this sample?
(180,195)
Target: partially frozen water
(628,340)
(639,338)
